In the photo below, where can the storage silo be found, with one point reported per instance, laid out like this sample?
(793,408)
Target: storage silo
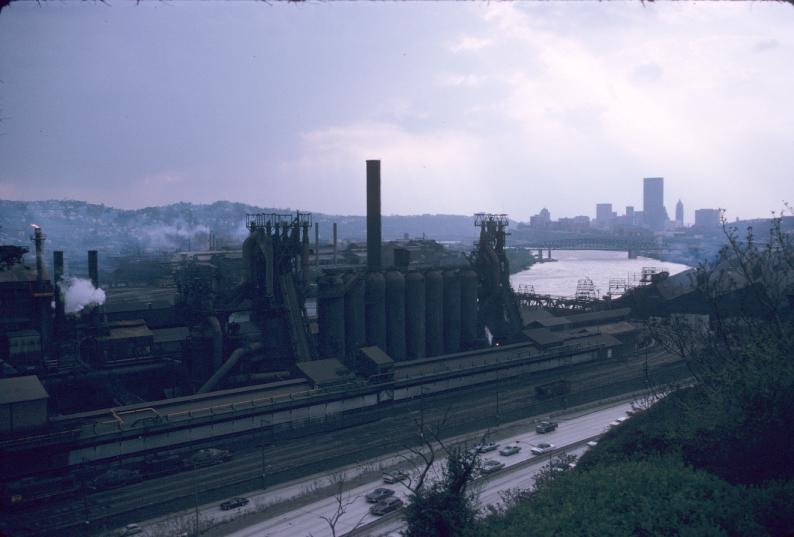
(355,333)
(468,308)
(451,311)
(395,315)
(375,310)
(434,313)
(415,315)
(331,315)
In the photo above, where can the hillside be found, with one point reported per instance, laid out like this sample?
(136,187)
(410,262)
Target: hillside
(76,226)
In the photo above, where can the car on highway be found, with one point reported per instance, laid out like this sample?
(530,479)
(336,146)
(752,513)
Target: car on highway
(541,448)
(545,427)
(130,529)
(489,467)
(485,447)
(592,443)
(509,450)
(234,503)
(397,476)
(379,494)
(385,506)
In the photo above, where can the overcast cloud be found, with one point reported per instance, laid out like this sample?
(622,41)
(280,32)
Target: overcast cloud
(497,107)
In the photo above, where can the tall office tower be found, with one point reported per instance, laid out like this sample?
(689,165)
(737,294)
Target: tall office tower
(653,211)
(603,214)
(679,214)
(630,215)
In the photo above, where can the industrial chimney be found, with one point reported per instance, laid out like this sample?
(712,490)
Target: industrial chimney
(38,238)
(373,216)
(93,268)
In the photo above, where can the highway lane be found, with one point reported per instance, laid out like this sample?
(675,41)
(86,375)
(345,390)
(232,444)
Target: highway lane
(307,519)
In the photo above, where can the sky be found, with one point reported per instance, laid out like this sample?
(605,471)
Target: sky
(495,107)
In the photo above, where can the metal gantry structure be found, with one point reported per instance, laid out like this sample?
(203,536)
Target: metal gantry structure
(499,310)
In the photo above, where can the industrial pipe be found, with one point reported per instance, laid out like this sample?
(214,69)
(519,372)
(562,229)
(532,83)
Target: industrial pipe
(228,365)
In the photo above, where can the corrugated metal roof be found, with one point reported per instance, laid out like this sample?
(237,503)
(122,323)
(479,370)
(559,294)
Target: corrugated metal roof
(377,355)
(21,389)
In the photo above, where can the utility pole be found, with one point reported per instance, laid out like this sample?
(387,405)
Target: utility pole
(195,500)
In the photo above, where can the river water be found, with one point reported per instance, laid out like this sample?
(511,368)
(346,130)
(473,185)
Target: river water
(561,278)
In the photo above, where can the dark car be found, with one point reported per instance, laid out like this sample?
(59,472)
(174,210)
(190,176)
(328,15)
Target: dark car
(489,467)
(545,427)
(379,494)
(386,506)
(234,503)
(397,476)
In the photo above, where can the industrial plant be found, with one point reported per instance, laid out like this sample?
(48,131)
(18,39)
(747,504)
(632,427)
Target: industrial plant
(104,387)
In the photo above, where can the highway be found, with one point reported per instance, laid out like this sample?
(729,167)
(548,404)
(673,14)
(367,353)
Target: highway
(307,518)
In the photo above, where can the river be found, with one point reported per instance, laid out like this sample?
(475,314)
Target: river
(560,278)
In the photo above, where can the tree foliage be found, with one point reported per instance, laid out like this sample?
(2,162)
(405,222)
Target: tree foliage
(444,507)
(658,496)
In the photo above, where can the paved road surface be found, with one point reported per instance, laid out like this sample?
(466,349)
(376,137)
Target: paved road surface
(307,519)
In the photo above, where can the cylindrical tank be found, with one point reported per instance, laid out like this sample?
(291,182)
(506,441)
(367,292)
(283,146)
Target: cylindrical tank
(415,315)
(434,313)
(468,308)
(395,315)
(355,333)
(248,259)
(375,310)
(215,332)
(451,311)
(331,316)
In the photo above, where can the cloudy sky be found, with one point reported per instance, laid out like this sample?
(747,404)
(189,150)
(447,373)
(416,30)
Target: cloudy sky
(471,107)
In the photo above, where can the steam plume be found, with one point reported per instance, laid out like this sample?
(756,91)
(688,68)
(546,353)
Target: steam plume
(77,293)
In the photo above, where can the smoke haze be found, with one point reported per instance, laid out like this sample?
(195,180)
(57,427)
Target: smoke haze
(77,293)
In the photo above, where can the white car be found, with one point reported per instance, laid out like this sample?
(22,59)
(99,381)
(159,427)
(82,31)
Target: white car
(130,529)
(485,447)
(541,448)
(592,443)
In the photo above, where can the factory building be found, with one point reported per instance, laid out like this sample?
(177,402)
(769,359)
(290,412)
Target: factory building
(23,404)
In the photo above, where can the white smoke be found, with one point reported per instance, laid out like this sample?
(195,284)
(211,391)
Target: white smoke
(171,237)
(77,293)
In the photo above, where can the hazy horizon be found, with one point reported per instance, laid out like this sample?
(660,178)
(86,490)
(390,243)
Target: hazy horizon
(485,107)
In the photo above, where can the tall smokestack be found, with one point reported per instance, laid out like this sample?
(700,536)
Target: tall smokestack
(38,239)
(57,263)
(93,268)
(334,243)
(317,244)
(373,216)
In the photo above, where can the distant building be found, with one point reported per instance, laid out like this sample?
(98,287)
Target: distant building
(631,218)
(604,214)
(679,214)
(654,213)
(577,223)
(708,217)
(540,220)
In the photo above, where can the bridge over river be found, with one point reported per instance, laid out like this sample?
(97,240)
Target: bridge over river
(633,245)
